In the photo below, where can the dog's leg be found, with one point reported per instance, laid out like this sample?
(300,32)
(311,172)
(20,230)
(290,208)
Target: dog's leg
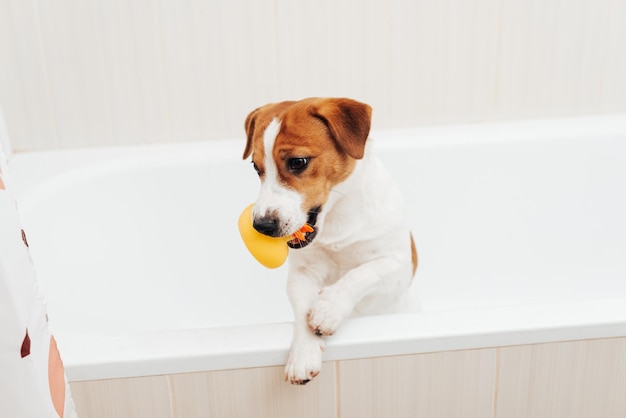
(305,355)
(336,302)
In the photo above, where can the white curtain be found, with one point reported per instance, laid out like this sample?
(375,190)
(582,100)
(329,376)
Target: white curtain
(32,378)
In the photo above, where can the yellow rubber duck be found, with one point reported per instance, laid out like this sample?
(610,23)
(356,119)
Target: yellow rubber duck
(269,251)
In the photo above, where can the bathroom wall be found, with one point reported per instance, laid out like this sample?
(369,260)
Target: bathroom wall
(579,379)
(91,73)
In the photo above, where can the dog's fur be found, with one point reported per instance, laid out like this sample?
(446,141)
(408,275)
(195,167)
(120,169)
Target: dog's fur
(314,166)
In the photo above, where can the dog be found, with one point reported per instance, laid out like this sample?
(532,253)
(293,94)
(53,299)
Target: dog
(315,168)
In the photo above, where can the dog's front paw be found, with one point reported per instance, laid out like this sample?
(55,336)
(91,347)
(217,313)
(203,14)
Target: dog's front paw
(305,361)
(328,313)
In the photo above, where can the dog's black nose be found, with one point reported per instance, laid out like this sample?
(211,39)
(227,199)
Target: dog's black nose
(266,225)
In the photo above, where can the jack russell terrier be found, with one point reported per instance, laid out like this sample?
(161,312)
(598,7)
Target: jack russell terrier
(315,168)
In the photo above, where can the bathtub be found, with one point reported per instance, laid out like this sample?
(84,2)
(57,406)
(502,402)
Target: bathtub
(520,228)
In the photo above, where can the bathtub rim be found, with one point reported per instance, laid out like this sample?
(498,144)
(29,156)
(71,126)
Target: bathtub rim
(100,356)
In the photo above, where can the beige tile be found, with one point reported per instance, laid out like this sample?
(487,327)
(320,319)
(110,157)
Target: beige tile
(133,57)
(329,48)
(73,42)
(443,61)
(140,397)
(24,93)
(258,392)
(583,379)
(559,58)
(190,42)
(117,72)
(219,61)
(613,82)
(104,72)
(439,385)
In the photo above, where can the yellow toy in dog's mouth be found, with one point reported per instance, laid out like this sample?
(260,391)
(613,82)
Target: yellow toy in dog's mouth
(270,251)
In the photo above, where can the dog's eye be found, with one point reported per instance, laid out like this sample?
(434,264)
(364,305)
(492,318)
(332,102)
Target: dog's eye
(297,165)
(256,168)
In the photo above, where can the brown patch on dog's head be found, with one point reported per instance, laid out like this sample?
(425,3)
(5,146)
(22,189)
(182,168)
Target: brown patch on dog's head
(324,135)
(257,121)
(332,134)
(348,122)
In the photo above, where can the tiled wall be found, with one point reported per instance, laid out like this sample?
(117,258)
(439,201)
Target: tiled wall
(104,72)
(582,379)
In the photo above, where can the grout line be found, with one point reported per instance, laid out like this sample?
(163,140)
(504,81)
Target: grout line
(602,77)
(496,89)
(46,76)
(166,84)
(337,394)
(389,97)
(496,384)
(277,53)
(170,390)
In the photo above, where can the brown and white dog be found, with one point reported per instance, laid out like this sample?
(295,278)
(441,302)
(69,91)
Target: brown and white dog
(315,168)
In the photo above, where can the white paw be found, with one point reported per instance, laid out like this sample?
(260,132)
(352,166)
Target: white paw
(305,361)
(328,313)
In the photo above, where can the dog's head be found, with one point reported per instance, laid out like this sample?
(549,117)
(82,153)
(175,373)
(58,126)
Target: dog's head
(300,151)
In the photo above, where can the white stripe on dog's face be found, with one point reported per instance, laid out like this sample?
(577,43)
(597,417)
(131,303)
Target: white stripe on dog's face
(275,199)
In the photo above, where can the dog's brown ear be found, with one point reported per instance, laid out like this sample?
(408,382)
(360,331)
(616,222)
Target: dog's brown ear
(349,123)
(249,126)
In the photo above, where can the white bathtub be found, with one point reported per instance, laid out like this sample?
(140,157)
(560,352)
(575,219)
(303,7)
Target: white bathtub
(520,228)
